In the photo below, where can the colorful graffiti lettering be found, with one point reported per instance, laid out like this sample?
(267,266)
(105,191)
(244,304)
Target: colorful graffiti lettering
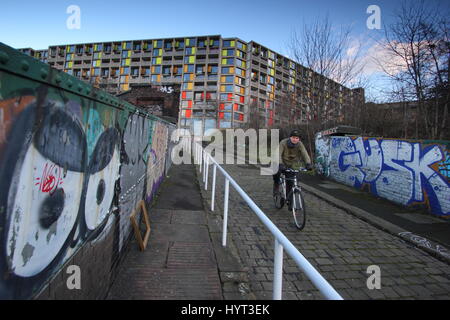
(405,172)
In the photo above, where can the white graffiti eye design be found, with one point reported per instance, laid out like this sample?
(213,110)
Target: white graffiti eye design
(43,212)
(104,171)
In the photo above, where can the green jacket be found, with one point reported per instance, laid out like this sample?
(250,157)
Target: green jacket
(295,157)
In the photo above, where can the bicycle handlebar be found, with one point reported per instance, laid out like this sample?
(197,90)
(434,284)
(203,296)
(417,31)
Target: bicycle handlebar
(295,171)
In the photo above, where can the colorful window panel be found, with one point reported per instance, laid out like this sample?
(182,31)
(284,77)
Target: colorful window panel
(226,61)
(126,45)
(240,72)
(227,70)
(156,60)
(227,79)
(157,44)
(226,88)
(241,63)
(228,43)
(189,59)
(125,62)
(188,68)
(228,52)
(190,51)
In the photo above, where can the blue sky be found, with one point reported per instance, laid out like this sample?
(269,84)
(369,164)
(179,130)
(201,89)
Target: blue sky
(38,24)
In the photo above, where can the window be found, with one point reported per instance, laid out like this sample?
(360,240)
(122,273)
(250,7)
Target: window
(226,61)
(213,69)
(228,53)
(228,79)
(187,86)
(241,46)
(177,70)
(240,54)
(226,88)
(189,59)
(199,69)
(238,116)
(240,72)
(186,95)
(227,70)
(226,97)
(105,72)
(125,70)
(214,43)
(166,70)
(157,52)
(125,62)
(240,81)
(126,45)
(188,77)
(211,95)
(189,68)
(168,45)
(240,63)
(135,71)
(179,44)
(190,42)
(157,44)
(137,46)
(156,60)
(228,43)
(156,78)
(190,51)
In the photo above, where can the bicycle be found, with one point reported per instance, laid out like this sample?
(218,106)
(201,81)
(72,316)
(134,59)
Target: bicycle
(294,198)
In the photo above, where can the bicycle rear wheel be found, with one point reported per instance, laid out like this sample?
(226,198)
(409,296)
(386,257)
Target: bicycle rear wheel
(297,207)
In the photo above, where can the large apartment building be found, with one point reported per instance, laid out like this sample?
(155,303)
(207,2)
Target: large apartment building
(225,82)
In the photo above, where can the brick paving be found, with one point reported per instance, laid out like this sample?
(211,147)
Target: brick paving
(179,262)
(339,245)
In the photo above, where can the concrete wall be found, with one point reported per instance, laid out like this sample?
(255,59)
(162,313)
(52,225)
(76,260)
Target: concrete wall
(72,169)
(408,172)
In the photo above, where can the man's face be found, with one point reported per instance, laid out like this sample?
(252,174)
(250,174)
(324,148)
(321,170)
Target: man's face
(295,139)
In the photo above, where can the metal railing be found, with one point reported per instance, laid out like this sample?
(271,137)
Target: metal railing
(204,160)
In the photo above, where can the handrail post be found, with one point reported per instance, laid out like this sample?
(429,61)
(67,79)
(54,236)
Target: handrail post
(200,150)
(207,171)
(225,212)
(278,271)
(213,193)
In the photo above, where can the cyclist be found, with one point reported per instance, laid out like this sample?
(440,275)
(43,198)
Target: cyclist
(292,155)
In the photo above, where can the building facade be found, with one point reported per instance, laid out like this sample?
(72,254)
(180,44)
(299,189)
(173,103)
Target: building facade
(225,82)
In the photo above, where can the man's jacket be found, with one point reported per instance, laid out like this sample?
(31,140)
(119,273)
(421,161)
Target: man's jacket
(295,157)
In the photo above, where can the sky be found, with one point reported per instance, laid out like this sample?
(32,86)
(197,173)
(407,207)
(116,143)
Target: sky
(39,24)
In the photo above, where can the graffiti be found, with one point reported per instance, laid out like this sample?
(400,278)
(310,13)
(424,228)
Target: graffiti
(322,154)
(66,167)
(51,178)
(166,89)
(423,242)
(404,172)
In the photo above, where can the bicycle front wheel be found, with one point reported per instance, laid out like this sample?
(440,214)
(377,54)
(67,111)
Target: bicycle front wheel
(298,208)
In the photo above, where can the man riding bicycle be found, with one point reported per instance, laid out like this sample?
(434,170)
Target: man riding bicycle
(292,155)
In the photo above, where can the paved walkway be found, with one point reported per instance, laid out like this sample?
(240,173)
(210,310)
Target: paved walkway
(340,245)
(183,259)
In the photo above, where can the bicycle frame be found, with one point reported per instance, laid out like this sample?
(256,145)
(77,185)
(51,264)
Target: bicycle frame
(295,185)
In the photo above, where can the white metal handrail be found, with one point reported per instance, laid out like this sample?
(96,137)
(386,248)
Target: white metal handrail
(203,159)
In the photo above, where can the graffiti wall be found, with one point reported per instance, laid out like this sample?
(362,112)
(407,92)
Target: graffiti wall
(406,172)
(72,169)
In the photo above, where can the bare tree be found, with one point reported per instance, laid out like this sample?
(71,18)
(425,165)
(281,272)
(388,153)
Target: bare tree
(417,53)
